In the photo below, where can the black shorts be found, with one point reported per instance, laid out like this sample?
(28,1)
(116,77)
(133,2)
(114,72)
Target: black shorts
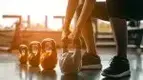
(126,9)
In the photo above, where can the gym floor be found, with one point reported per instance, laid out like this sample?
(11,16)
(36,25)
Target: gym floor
(10,69)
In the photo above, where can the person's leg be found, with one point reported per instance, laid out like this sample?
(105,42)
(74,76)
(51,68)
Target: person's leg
(89,38)
(90,59)
(120,35)
(119,67)
(87,34)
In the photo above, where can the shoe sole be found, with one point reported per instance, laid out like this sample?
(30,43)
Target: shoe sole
(126,73)
(92,67)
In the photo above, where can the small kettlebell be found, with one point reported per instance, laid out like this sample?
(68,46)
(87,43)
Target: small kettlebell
(34,53)
(23,50)
(48,58)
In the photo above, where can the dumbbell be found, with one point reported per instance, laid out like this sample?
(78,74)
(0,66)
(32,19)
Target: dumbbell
(48,58)
(23,50)
(34,53)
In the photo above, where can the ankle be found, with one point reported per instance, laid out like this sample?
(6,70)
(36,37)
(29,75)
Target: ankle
(122,56)
(92,53)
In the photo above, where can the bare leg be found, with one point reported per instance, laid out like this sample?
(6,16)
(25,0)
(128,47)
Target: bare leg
(87,34)
(120,35)
(90,59)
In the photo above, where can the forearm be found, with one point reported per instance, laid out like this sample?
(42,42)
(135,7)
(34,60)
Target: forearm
(71,8)
(86,12)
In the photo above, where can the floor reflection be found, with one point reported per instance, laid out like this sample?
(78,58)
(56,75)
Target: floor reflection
(48,75)
(90,74)
(83,75)
(136,73)
(34,73)
(11,70)
(23,73)
(123,78)
(70,77)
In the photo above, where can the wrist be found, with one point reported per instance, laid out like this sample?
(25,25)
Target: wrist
(66,27)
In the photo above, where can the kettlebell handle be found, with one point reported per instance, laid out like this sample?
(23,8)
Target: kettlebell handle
(23,47)
(51,41)
(38,44)
(66,42)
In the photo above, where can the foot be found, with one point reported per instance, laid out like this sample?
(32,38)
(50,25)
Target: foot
(91,62)
(119,67)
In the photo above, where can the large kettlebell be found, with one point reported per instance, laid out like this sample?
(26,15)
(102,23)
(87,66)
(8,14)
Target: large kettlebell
(34,53)
(70,62)
(23,50)
(48,58)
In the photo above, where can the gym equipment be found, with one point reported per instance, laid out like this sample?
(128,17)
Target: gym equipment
(34,53)
(48,58)
(16,38)
(135,35)
(135,32)
(70,62)
(23,50)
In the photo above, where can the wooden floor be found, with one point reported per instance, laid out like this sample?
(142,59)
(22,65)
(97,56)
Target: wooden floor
(10,69)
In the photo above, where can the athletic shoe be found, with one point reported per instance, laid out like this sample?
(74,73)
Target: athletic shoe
(91,62)
(119,67)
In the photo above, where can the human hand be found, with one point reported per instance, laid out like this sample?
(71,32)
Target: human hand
(65,34)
